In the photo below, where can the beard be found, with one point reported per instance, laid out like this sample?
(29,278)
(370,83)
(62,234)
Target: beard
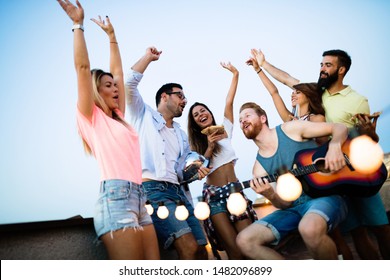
(178,113)
(252,133)
(326,83)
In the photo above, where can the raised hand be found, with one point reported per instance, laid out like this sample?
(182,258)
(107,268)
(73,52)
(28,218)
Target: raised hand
(153,53)
(105,25)
(253,62)
(76,14)
(259,56)
(229,67)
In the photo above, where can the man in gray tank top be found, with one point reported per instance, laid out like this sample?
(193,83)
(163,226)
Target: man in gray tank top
(312,217)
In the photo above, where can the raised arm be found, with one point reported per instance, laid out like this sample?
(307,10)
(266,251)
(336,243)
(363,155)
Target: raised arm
(232,91)
(81,60)
(116,68)
(283,112)
(134,99)
(151,54)
(277,73)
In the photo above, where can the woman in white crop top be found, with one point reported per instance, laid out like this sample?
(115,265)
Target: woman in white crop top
(120,219)
(221,227)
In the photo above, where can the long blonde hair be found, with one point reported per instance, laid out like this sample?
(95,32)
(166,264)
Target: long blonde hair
(97,75)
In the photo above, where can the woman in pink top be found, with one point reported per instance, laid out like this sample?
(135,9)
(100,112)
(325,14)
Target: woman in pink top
(120,219)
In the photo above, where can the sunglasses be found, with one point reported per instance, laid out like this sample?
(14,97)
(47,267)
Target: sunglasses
(180,94)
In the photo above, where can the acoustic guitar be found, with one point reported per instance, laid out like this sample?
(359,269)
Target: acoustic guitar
(309,168)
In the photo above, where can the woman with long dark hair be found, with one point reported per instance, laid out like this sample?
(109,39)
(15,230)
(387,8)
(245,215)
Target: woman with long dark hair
(222,226)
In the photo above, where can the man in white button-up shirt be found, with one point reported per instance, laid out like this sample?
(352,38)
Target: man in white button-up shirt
(164,148)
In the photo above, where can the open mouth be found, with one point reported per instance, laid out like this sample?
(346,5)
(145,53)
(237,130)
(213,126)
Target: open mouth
(245,126)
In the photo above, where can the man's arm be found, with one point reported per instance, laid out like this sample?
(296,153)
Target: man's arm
(134,100)
(150,55)
(265,189)
(301,130)
(275,72)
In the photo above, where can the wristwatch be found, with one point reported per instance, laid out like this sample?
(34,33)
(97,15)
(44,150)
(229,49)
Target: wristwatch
(78,26)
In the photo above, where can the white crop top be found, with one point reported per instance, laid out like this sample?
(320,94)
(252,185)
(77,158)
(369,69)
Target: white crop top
(227,153)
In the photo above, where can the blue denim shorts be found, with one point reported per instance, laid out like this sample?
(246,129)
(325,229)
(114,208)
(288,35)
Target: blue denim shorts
(121,205)
(171,228)
(219,206)
(364,211)
(332,208)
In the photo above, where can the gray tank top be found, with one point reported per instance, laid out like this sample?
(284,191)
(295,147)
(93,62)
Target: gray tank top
(284,155)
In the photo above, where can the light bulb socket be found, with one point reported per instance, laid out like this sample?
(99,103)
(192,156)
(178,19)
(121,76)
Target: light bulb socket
(282,170)
(234,188)
(179,202)
(161,203)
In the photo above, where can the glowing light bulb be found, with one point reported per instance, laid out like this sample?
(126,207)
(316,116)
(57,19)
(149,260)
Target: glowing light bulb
(236,203)
(366,155)
(288,187)
(202,210)
(149,207)
(181,212)
(162,211)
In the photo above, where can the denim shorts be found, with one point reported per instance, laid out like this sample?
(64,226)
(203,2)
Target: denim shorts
(218,206)
(332,208)
(364,211)
(171,228)
(121,205)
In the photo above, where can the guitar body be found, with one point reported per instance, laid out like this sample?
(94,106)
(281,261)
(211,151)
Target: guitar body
(346,181)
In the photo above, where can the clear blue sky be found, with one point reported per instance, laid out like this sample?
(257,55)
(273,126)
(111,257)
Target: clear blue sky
(45,174)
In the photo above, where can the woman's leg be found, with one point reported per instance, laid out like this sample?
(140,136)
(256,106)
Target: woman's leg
(226,231)
(124,244)
(150,243)
(240,225)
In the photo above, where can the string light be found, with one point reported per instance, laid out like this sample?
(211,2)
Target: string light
(162,211)
(236,203)
(202,210)
(149,207)
(366,155)
(288,186)
(181,212)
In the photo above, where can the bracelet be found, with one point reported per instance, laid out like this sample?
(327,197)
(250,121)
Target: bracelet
(259,71)
(114,43)
(77,26)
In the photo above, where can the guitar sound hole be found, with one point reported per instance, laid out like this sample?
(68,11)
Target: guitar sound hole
(320,165)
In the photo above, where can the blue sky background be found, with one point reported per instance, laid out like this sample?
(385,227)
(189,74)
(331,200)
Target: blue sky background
(45,174)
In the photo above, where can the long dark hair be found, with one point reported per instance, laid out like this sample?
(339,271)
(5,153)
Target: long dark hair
(313,96)
(197,140)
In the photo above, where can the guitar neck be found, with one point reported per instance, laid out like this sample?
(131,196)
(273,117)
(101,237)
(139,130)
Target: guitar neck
(224,191)
(269,178)
(300,171)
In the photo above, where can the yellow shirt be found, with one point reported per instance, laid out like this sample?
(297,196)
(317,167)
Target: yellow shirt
(343,105)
